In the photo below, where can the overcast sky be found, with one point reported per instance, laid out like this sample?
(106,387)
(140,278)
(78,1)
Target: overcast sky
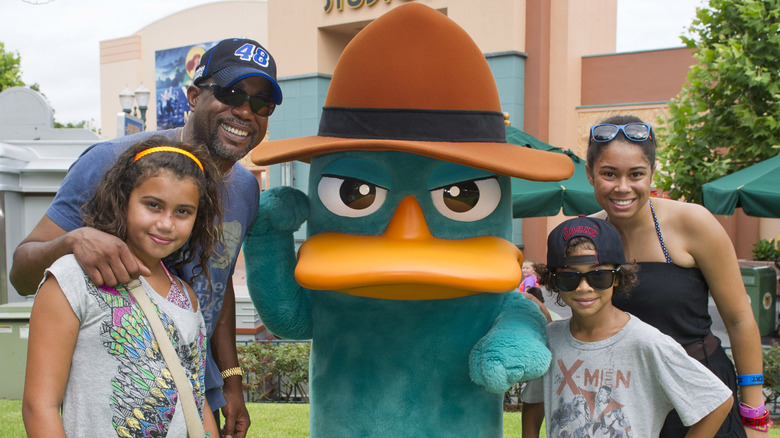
(59,40)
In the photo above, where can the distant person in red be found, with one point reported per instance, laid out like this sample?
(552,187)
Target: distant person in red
(529,276)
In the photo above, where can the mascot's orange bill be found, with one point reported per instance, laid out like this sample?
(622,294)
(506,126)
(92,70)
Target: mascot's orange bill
(375,266)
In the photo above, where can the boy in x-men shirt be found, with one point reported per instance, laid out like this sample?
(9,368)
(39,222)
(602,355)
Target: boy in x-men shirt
(611,374)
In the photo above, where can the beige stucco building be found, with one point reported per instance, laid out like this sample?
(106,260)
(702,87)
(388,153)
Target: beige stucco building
(528,43)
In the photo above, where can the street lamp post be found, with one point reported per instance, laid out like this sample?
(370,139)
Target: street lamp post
(126,100)
(141,96)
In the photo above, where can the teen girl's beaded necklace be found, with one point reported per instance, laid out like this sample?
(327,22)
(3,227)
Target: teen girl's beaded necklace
(658,231)
(175,294)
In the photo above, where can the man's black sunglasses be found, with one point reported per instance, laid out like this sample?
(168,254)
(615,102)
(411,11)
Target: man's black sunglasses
(260,105)
(598,279)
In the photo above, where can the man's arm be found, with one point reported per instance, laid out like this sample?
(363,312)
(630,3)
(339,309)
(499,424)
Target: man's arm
(105,258)
(223,349)
(45,244)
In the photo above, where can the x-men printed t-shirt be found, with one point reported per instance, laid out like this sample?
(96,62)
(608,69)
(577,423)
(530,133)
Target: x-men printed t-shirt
(239,211)
(621,386)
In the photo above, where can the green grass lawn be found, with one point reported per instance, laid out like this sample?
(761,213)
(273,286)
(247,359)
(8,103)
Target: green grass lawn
(269,420)
(279,420)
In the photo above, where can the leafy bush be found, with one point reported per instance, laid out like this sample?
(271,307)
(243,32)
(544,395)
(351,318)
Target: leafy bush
(772,373)
(766,250)
(275,371)
(279,371)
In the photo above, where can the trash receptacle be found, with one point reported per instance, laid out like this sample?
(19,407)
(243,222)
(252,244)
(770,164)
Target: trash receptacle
(761,286)
(14,330)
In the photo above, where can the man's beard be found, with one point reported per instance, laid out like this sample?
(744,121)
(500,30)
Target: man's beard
(224,154)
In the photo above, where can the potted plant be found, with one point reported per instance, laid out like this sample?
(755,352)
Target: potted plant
(766,250)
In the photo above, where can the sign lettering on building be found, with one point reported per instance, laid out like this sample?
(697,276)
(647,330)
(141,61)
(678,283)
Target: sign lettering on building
(353,4)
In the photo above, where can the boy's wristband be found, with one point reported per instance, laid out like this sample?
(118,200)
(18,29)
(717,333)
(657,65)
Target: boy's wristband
(750,379)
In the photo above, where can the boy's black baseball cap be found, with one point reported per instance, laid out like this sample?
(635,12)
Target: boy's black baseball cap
(233,59)
(604,235)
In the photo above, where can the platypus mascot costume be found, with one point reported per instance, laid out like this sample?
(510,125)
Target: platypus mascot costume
(405,283)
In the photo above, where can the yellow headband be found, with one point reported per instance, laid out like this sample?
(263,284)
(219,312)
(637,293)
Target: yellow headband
(167,149)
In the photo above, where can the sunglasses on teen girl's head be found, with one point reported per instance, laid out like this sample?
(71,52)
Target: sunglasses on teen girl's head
(260,105)
(633,131)
(598,279)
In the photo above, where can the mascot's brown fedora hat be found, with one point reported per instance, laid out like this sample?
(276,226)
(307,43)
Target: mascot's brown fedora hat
(414,81)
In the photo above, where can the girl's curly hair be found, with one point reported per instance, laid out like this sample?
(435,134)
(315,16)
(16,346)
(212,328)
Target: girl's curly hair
(107,208)
(625,277)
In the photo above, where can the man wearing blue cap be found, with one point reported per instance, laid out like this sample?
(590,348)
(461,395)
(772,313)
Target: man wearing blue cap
(233,93)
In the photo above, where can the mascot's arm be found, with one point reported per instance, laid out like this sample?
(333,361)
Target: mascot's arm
(269,250)
(514,349)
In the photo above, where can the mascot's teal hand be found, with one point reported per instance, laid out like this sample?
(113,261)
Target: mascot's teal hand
(269,251)
(282,209)
(514,349)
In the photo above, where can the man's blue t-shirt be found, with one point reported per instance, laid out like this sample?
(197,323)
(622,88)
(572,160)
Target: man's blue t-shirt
(240,208)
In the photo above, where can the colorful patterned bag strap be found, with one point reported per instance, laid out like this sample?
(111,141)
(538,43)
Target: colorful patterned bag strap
(183,385)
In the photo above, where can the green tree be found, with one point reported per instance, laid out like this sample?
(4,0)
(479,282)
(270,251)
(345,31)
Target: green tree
(728,114)
(81,124)
(10,69)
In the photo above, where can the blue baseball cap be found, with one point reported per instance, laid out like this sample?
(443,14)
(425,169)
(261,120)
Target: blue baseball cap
(234,59)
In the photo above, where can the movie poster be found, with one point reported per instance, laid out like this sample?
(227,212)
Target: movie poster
(173,74)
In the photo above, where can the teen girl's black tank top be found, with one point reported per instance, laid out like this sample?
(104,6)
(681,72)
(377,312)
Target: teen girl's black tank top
(671,298)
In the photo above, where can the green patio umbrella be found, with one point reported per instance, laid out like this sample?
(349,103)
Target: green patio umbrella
(755,188)
(537,199)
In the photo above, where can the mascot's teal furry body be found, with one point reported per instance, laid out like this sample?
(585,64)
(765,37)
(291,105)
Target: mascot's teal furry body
(402,284)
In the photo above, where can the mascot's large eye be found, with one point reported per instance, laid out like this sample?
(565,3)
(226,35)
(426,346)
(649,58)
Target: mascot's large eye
(468,201)
(350,197)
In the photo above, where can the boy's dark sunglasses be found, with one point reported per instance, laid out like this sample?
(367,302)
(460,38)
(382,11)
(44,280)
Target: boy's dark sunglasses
(633,131)
(236,97)
(598,279)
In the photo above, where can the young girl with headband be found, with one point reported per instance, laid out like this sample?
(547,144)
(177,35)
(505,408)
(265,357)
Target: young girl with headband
(94,367)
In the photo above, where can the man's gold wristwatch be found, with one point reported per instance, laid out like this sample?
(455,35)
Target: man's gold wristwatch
(235,371)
